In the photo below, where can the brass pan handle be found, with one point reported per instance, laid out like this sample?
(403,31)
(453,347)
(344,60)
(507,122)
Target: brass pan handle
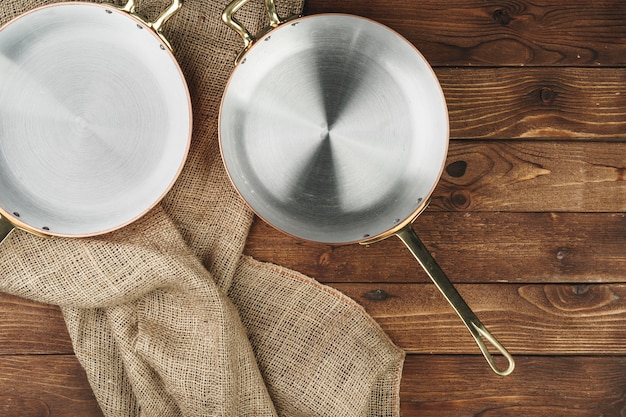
(157,25)
(248,38)
(476,328)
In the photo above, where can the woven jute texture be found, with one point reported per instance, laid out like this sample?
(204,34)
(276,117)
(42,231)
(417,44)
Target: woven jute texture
(169,318)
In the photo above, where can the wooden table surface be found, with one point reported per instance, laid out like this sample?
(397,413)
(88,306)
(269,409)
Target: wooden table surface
(528,221)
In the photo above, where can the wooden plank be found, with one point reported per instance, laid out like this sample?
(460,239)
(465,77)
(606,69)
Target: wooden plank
(528,319)
(28,327)
(555,319)
(463,386)
(45,385)
(535,103)
(533,177)
(431,386)
(470,247)
(478,32)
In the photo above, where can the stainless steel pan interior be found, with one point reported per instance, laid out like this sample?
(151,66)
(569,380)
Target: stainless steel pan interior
(95,118)
(334,129)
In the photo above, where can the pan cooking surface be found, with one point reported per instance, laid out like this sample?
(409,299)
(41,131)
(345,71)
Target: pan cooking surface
(334,128)
(94,119)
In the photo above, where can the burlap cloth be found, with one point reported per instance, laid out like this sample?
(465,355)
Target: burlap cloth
(167,316)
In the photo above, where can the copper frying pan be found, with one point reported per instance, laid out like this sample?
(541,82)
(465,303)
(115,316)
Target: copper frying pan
(334,129)
(95,118)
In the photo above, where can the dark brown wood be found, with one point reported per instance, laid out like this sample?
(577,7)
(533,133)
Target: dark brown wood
(524,176)
(528,319)
(28,327)
(555,319)
(45,385)
(501,33)
(471,247)
(535,103)
(541,386)
(432,386)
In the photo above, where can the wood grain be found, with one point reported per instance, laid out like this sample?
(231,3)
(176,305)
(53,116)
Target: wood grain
(535,103)
(541,386)
(432,386)
(533,177)
(501,33)
(474,247)
(555,319)
(528,319)
(28,327)
(45,385)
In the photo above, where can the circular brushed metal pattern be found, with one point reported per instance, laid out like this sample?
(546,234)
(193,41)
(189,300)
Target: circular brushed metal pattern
(95,119)
(334,128)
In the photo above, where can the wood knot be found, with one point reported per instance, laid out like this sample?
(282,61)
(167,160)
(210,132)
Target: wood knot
(571,301)
(461,199)
(502,16)
(325,258)
(580,289)
(376,295)
(546,95)
(457,169)
(562,253)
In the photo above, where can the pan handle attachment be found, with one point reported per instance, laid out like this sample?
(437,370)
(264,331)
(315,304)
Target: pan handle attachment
(476,328)
(6,227)
(157,25)
(248,39)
